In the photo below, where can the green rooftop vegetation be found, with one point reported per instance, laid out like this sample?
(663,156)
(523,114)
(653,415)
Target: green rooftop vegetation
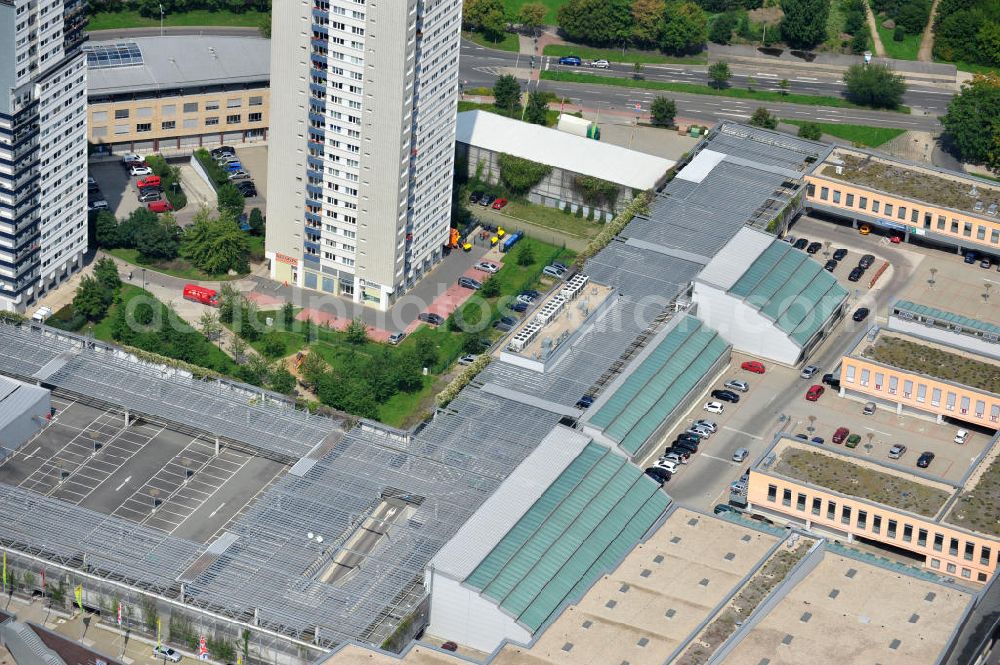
(902,181)
(842,475)
(933,361)
(976,508)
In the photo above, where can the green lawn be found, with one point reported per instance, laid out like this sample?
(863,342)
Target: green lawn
(904,50)
(510,41)
(513,6)
(179,267)
(616,55)
(552,218)
(871,137)
(691,88)
(971,67)
(197,17)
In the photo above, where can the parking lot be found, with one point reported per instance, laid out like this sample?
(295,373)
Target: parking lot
(144,473)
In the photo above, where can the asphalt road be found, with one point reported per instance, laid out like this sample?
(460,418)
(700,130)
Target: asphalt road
(480,66)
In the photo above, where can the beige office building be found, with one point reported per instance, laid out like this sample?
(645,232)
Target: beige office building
(149,94)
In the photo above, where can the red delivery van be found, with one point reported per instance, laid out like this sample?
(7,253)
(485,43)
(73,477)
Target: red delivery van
(201,294)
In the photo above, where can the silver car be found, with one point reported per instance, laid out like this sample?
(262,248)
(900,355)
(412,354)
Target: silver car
(809,371)
(737,384)
(897,451)
(740,454)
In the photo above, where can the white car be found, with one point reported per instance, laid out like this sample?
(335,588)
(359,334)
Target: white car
(486,266)
(714,407)
(140,170)
(130,157)
(702,432)
(553,271)
(961,436)
(166,653)
(600,64)
(737,384)
(710,425)
(467,359)
(672,457)
(668,465)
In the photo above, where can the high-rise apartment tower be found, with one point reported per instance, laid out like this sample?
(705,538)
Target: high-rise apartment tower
(361,148)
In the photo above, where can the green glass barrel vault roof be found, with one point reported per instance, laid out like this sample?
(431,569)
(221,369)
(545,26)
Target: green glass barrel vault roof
(941,315)
(659,384)
(789,287)
(593,514)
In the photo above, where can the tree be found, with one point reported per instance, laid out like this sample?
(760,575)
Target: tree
(507,94)
(874,85)
(597,22)
(537,110)
(216,244)
(811,130)
(256,222)
(237,347)
(472,343)
(106,229)
(273,345)
(719,74)
(210,326)
(158,240)
(106,273)
(525,255)
(313,367)
(426,352)
(356,331)
(721,31)
(531,16)
(647,21)
(685,28)
(859,43)
(230,201)
(899,34)
(804,22)
(486,16)
(287,314)
(282,380)
(265,26)
(784,85)
(972,122)
(91,301)
(663,111)
(491,288)
(763,118)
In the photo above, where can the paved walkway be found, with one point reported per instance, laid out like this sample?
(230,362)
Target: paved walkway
(877,41)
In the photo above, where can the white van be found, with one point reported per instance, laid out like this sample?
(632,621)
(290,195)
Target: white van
(42,314)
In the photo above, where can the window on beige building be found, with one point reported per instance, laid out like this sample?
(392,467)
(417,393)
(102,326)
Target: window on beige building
(190,123)
(168,124)
(191,107)
(168,109)
(234,103)
(212,105)
(98,132)
(99,116)
(214,120)
(255,117)
(256,101)
(121,114)
(143,127)
(123,129)
(144,112)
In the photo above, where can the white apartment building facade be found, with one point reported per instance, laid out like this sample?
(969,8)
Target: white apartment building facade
(43,147)
(361,149)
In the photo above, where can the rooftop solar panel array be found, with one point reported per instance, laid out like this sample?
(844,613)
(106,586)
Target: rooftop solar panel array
(108,56)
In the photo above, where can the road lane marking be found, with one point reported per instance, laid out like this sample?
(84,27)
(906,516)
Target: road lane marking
(720,459)
(32,453)
(739,431)
(124,482)
(212,514)
(872,429)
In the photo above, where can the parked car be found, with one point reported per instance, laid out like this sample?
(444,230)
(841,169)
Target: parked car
(895,240)
(961,436)
(396,338)
(518,306)
(801,243)
(690,446)
(925,459)
(839,254)
(985,263)
(724,508)
(98,204)
(167,653)
(553,271)
(830,265)
(815,392)
(814,247)
(469,283)
(130,157)
(570,60)
(736,384)
(714,407)
(740,454)
(499,204)
(675,457)
(561,266)
(970,257)
(487,266)
(868,409)
(467,359)
(860,314)
(841,434)
(505,323)
(525,299)
(658,474)
(866,261)
(222,150)
(789,239)
(683,453)
(585,402)
(239,174)
(487,200)
(897,451)
(754,366)
(140,169)
(809,371)
(475,196)
(247,189)
(831,380)
(668,465)
(855,275)
(149,181)
(864,229)
(531,293)
(699,432)
(150,194)
(431,318)
(852,441)
(710,425)
(726,395)
(449,646)
(818,440)
(600,64)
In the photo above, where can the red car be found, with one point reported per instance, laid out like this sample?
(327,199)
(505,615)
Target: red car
(149,181)
(449,646)
(159,206)
(895,240)
(841,434)
(499,203)
(754,366)
(813,393)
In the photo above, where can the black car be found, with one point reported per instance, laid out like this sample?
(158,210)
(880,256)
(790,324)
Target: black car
(860,314)
(433,319)
(925,459)
(487,200)
(221,151)
(866,261)
(688,436)
(518,306)
(856,274)
(830,265)
(801,243)
(659,475)
(531,293)
(475,196)
(683,453)
(585,402)
(689,446)
(832,381)
(726,395)
(247,189)
(814,247)
(839,254)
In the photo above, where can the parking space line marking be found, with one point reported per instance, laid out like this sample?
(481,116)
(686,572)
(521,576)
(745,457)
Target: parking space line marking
(878,431)
(124,482)
(739,431)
